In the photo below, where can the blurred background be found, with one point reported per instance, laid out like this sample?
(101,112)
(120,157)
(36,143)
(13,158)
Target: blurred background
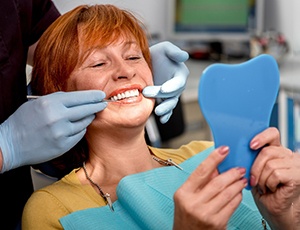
(217,31)
(230,31)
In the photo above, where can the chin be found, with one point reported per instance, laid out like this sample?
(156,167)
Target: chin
(130,117)
(137,117)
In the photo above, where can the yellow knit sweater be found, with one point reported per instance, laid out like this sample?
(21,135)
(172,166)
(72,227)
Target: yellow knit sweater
(47,205)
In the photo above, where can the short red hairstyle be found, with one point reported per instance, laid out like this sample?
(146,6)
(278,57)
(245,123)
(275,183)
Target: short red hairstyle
(69,40)
(66,44)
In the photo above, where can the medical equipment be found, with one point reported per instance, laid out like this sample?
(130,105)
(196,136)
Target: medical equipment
(30,97)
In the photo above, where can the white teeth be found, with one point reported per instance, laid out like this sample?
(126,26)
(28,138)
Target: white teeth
(126,94)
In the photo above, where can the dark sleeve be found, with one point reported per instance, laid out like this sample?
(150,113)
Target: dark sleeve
(22,22)
(44,13)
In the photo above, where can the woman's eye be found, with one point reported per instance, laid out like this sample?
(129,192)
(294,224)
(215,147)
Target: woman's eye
(98,65)
(134,58)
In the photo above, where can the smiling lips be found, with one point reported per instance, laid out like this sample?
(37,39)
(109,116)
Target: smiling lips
(125,95)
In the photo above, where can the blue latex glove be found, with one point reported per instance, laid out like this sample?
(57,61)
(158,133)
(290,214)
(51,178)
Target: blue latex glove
(47,127)
(170,76)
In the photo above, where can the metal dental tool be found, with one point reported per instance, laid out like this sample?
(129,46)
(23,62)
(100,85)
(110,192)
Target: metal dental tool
(30,97)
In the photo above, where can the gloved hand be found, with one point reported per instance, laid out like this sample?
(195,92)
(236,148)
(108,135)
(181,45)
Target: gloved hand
(47,127)
(170,76)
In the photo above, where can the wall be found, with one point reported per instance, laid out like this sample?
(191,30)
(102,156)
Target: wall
(280,15)
(284,16)
(151,12)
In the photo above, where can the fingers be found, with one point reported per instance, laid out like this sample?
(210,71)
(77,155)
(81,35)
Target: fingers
(72,133)
(178,81)
(152,91)
(172,87)
(73,106)
(269,141)
(76,98)
(266,154)
(269,168)
(80,125)
(170,73)
(74,139)
(269,136)
(166,106)
(202,174)
(176,54)
(277,178)
(274,174)
(230,199)
(172,51)
(80,112)
(164,119)
(156,92)
(206,215)
(223,188)
(208,199)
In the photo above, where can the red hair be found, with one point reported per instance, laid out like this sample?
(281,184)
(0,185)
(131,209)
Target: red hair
(70,39)
(66,43)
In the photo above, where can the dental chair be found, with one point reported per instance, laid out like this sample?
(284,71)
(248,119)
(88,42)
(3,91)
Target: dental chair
(158,134)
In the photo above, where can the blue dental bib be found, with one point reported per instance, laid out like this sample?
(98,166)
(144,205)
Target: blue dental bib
(145,201)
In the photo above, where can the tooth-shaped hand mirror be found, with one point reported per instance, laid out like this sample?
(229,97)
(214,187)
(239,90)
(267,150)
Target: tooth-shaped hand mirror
(237,100)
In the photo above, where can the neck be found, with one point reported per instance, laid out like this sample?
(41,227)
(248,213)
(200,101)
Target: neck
(111,159)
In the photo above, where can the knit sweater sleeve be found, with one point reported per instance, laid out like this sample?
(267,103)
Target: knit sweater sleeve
(42,211)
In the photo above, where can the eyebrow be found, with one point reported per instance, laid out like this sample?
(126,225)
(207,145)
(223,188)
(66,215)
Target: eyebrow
(129,43)
(126,43)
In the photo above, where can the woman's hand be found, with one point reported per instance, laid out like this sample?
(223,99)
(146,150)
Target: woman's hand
(208,199)
(275,176)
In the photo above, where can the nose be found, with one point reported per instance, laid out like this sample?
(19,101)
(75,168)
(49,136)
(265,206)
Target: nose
(123,70)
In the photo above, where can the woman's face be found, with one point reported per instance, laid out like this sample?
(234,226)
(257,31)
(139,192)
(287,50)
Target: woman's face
(121,71)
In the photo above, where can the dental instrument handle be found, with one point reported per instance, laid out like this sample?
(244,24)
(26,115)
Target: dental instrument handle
(36,96)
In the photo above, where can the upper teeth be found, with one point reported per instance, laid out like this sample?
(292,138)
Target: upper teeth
(126,94)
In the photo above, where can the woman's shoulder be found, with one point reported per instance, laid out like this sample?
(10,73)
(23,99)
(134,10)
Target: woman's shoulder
(45,207)
(49,204)
(184,152)
(196,146)
(62,194)
(57,188)
(55,192)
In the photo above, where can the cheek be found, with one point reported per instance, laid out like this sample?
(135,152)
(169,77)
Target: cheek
(150,82)
(84,82)
(148,77)
(152,102)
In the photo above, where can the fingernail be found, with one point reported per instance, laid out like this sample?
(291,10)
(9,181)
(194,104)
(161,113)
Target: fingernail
(254,144)
(242,171)
(245,181)
(223,150)
(252,181)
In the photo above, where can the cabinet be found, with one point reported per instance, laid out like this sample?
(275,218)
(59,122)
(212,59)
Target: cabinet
(289,103)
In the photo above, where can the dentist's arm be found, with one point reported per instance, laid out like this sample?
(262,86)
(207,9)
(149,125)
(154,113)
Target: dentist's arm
(170,76)
(47,127)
